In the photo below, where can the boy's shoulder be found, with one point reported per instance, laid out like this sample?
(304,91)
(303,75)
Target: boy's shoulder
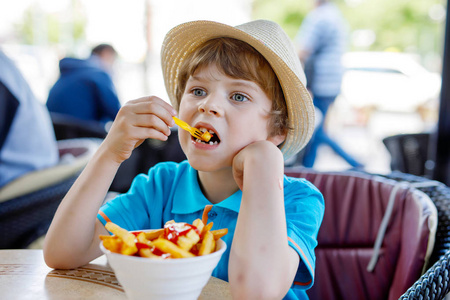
(298,181)
(301,187)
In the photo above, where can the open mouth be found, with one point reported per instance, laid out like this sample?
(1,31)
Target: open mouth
(214,138)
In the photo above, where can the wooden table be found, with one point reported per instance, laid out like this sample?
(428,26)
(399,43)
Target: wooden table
(24,275)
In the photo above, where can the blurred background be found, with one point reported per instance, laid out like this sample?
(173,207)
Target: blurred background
(393,64)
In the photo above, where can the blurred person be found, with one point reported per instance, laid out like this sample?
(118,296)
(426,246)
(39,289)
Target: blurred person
(321,42)
(27,139)
(85,89)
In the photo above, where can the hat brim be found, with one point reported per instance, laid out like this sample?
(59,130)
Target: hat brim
(185,38)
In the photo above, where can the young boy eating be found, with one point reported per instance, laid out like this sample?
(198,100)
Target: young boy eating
(244,85)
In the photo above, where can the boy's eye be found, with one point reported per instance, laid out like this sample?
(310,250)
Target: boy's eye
(198,92)
(239,97)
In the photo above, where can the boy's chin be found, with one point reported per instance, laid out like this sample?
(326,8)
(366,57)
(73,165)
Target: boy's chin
(203,165)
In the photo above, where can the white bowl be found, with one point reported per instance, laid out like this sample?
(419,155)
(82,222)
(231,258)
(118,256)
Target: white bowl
(169,279)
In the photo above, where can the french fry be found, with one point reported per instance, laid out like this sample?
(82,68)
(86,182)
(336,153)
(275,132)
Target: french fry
(128,250)
(129,246)
(206,229)
(199,224)
(141,238)
(189,240)
(208,244)
(126,236)
(112,243)
(146,252)
(154,234)
(169,247)
(219,233)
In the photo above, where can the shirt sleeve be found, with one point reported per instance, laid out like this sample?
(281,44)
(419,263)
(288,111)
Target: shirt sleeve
(304,214)
(8,109)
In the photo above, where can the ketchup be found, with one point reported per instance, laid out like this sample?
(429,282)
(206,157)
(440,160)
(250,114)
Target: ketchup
(141,246)
(173,231)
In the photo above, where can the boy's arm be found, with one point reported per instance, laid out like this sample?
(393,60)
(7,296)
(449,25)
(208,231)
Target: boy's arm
(262,264)
(72,239)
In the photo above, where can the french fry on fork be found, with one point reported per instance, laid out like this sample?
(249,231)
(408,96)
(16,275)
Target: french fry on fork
(205,136)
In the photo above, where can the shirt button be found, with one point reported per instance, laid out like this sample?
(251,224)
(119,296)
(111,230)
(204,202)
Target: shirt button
(212,215)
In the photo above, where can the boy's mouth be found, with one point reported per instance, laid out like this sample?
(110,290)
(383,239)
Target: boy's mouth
(214,138)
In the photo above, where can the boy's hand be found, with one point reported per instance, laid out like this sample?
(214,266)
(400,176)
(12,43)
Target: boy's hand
(137,120)
(260,157)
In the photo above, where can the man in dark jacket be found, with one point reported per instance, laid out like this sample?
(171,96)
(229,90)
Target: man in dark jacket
(85,89)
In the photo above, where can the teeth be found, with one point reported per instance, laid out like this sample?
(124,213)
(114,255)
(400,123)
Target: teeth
(203,129)
(203,142)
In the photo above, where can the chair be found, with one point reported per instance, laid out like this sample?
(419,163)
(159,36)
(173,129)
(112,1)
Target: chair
(435,283)
(69,127)
(366,215)
(409,152)
(27,204)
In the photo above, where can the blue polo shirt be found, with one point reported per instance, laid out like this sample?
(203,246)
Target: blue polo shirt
(171,191)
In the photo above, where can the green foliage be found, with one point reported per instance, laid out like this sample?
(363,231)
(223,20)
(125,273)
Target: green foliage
(37,27)
(397,24)
(54,29)
(288,13)
(26,28)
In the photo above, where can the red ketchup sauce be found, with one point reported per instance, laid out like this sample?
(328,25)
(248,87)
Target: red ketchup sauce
(173,231)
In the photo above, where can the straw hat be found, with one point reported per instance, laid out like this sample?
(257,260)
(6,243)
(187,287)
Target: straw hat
(268,39)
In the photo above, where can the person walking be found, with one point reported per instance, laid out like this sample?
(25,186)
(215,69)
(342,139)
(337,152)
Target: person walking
(321,42)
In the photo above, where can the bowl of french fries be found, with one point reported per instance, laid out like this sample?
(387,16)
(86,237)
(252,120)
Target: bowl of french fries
(174,262)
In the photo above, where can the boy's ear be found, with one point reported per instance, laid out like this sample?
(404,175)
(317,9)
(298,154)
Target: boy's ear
(277,139)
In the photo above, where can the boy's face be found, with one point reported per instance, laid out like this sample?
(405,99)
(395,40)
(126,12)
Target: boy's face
(236,110)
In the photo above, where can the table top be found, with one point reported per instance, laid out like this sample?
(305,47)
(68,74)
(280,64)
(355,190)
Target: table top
(24,275)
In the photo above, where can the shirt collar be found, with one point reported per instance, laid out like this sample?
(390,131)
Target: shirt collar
(233,202)
(188,197)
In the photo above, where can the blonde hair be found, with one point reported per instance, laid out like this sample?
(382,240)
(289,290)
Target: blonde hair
(239,60)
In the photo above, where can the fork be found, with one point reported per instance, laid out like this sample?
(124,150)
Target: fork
(205,136)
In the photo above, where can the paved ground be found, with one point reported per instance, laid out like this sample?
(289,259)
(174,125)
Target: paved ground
(361,135)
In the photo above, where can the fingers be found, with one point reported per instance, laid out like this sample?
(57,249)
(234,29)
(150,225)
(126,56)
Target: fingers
(148,112)
(250,158)
(154,105)
(137,120)
(142,133)
(152,121)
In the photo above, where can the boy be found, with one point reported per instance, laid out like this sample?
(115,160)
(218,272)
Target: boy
(245,85)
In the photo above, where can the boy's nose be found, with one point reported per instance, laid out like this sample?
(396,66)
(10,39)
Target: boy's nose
(210,105)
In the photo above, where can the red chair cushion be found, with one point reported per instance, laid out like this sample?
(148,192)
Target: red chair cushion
(354,208)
